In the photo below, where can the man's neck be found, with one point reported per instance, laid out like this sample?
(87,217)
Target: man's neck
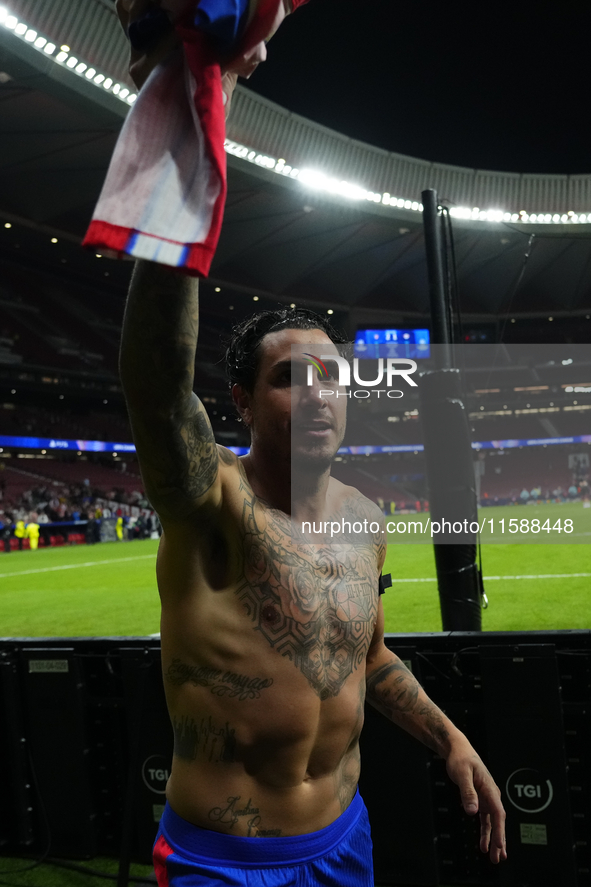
(299,490)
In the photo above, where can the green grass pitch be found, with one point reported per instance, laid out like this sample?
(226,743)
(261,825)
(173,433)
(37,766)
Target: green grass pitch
(110,589)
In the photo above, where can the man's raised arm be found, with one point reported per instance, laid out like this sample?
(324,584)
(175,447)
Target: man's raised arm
(173,437)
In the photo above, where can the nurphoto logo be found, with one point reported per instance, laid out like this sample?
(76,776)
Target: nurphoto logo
(401,367)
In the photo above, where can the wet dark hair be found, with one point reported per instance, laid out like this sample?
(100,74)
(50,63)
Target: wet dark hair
(242,348)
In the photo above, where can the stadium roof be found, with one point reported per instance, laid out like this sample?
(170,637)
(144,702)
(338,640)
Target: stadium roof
(312,216)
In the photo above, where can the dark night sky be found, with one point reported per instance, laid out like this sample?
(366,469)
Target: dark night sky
(494,86)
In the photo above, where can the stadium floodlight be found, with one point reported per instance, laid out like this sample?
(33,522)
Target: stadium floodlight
(310,178)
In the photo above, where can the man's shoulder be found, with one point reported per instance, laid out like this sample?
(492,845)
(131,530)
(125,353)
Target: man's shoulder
(226,456)
(229,461)
(351,500)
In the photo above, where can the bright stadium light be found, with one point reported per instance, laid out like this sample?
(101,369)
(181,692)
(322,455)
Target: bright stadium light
(31,36)
(310,178)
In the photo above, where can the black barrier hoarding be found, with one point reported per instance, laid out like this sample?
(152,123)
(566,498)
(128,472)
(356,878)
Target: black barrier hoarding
(526,751)
(150,742)
(17,820)
(99,741)
(57,739)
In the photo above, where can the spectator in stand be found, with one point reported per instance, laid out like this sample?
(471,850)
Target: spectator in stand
(19,532)
(32,532)
(6,532)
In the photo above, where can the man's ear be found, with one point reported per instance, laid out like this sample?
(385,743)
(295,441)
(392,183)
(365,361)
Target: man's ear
(242,400)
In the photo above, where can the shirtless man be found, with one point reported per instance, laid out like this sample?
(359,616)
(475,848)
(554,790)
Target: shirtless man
(270,643)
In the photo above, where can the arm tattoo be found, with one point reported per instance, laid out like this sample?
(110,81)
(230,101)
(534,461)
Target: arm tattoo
(395,692)
(393,687)
(221,683)
(173,437)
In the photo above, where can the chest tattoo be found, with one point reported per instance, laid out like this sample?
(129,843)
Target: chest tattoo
(315,604)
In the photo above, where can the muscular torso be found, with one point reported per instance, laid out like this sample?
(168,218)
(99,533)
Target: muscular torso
(264,640)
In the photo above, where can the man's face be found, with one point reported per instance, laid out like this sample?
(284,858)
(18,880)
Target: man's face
(297,419)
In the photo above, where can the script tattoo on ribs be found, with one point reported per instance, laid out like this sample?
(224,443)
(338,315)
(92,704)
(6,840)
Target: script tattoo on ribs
(221,683)
(230,813)
(214,744)
(316,604)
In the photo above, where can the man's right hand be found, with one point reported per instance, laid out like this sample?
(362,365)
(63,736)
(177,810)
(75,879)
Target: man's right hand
(141,64)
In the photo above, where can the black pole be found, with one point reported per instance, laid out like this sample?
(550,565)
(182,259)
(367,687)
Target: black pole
(440,332)
(448,452)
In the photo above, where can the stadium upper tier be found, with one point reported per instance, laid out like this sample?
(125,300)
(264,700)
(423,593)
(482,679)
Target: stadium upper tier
(83,37)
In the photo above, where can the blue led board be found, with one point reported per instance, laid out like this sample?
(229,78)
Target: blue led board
(392,343)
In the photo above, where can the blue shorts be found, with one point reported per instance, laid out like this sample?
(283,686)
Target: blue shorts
(336,856)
